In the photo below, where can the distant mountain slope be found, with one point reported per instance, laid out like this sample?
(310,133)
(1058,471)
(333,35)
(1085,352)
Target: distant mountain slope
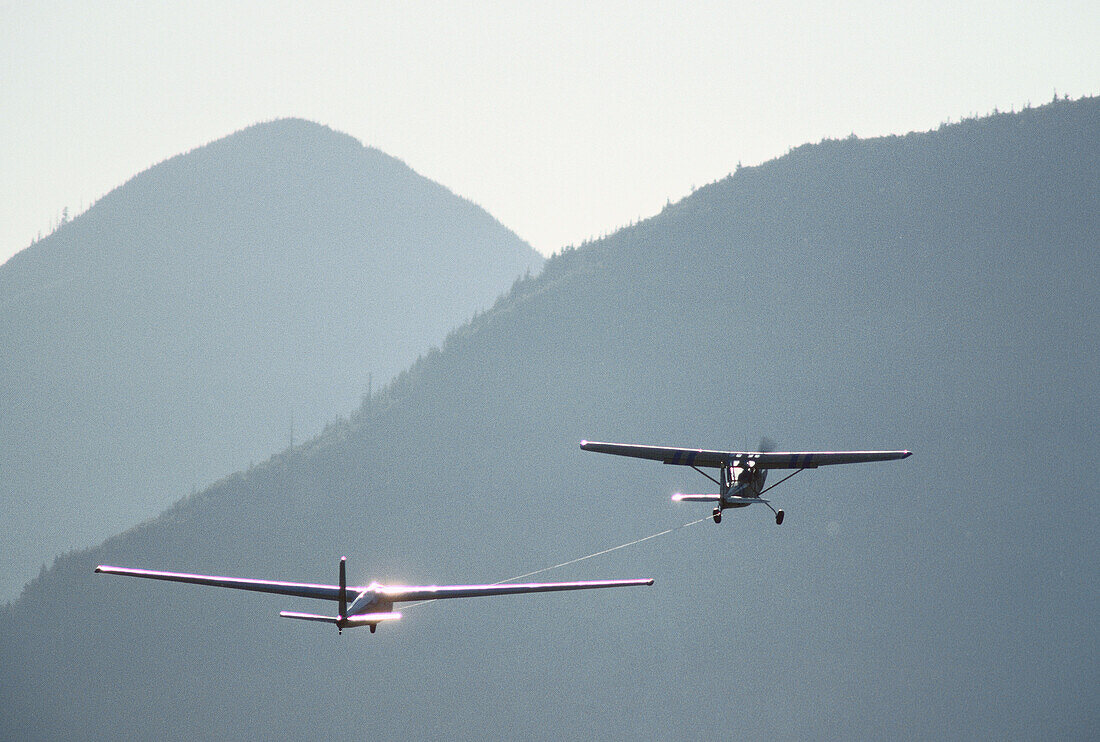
(182,325)
(935,291)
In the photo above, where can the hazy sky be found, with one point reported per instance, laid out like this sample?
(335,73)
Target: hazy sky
(565,120)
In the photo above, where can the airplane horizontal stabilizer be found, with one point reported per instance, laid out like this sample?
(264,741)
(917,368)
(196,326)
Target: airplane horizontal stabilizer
(681,497)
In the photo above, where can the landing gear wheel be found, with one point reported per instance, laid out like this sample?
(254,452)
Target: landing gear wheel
(717,515)
(779,517)
(373,627)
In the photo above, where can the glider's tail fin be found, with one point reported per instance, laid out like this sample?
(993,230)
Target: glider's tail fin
(343,587)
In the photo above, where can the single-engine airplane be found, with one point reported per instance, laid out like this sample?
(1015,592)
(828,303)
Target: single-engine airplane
(369,605)
(741,474)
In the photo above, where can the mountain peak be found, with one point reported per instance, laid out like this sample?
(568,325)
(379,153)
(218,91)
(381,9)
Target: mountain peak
(188,313)
(282,135)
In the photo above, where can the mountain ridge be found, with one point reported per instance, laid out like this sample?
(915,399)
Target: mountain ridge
(896,599)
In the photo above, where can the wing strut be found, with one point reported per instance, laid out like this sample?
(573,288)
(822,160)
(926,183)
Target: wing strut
(696,468)
(781,481)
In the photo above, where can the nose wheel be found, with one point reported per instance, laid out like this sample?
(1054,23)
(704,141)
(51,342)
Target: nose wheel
(717,515)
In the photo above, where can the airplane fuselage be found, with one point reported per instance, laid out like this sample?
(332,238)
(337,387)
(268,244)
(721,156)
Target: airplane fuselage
(739,482)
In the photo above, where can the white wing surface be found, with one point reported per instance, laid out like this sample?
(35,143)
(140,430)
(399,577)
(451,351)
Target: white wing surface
(296,589)
(392,593)
(700,457)
(398,593)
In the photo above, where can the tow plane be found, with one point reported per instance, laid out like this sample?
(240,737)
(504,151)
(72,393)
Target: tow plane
(367,605)
(741,474)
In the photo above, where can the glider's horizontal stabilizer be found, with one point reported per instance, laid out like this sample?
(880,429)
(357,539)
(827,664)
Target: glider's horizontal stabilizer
(681,497)
(366,619)
(361,619)
(308,616)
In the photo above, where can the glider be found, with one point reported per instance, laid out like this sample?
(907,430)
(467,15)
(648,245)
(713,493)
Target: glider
(741,474)
(364,606)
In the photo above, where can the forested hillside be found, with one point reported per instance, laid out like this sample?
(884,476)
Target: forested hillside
(935,291)
(180,327)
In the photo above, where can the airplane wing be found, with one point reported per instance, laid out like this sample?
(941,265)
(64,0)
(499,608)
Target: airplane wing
(700,457)
(398,593)
(395,593)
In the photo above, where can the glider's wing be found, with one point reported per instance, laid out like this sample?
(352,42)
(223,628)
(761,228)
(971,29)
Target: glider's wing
(297,589)
(397,593)
(394,593)
(700,457)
